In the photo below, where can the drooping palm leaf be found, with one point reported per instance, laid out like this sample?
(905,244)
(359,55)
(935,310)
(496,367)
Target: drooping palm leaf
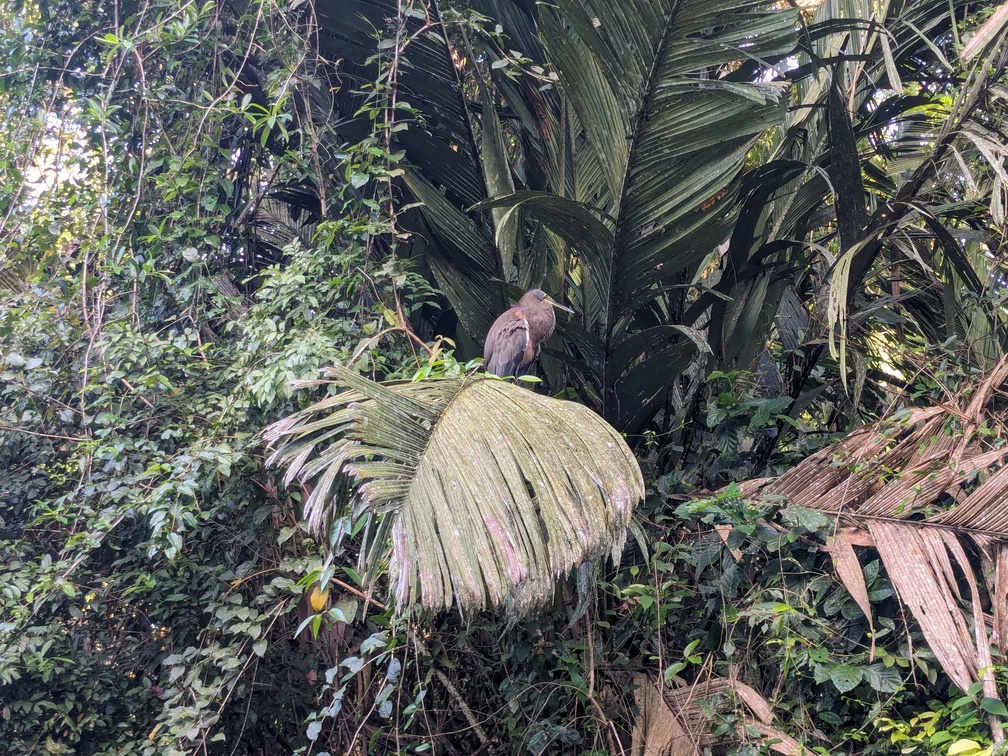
(488,491)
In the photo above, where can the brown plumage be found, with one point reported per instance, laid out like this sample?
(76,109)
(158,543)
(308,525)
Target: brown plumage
(514,339)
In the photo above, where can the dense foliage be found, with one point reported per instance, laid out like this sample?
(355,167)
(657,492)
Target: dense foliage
(773,225)
(149,332)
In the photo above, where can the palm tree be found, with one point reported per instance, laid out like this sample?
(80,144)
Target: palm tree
(614,186)
(641,159)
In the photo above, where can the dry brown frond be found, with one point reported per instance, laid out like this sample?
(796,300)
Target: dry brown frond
(944,467)
(676,722)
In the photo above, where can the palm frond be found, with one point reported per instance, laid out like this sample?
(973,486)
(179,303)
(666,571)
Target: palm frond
(668,128)
(677,722)
(488,491)
(916,486)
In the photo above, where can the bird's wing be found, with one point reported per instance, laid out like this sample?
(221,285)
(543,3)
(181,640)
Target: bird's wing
(506,343)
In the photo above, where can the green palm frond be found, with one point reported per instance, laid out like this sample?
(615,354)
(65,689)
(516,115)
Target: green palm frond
(669,126)
(488,491)
(630,158)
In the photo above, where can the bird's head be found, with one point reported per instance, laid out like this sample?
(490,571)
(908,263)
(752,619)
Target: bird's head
(542,296)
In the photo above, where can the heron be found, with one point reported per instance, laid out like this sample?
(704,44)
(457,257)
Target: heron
(514,339)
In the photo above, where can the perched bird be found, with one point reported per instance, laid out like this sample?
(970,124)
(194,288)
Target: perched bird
(515,337)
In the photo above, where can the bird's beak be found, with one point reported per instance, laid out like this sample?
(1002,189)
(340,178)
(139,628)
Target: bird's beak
(556,304)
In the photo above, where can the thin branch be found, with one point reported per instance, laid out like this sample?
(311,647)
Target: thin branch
(453,692)
(12,429)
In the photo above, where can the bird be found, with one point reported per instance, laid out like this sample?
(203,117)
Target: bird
(513,341)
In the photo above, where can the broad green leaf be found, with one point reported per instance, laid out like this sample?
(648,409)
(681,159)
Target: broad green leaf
(845,677)
(882,678)
(994,706)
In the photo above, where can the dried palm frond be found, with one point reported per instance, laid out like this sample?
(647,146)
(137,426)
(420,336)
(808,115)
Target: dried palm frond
(677,722)
(944,467)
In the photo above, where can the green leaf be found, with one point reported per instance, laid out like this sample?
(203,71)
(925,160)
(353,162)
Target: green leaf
(966,747)
(344,611)
(806,519)
(374,642)
(845,677)
(882,678)
(313,731)
(994,706)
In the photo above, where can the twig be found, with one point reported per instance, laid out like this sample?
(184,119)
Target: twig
(615,744)
(457,698)
(359,593)
(12,429)
(140,396)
